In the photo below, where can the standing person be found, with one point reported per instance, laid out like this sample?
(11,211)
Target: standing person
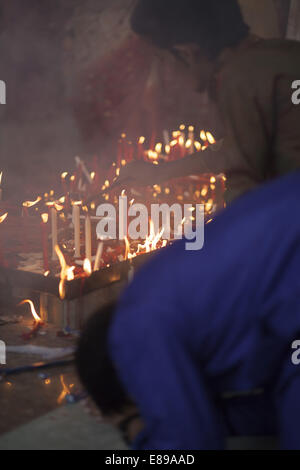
(249,78)
(200,344)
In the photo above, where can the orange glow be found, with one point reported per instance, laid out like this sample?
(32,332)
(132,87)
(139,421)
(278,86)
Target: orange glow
(167,149)
(87,267)
(198,146)
(46,273)
(3,217)
(33,311)
(1,174)
(210,138)
(32,203)
(45,218)
(213,180)
(188,144)
(127,249)
(54,204)
(66,273)
(151,241)
(181,141)
(65,391)
(142,140)
(204,191)
(64,175)
(158,148)
(203,136)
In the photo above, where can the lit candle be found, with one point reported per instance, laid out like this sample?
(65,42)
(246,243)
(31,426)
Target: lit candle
(88,238)
(76,224)
(192,139)
(54,231)
(44,240)
(122,216)
(141,148)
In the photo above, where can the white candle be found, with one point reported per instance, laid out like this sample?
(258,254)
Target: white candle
(98,256)
(54,232)
(166,137)
(88,238)
(122,216)
(76,224)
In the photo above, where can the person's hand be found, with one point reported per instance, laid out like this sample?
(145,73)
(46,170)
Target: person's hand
(139,173)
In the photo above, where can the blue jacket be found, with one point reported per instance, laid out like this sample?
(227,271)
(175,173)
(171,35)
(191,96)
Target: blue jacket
(195,324)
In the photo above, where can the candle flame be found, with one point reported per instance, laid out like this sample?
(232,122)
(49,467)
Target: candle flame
(3,217)
(65,391)
(66,273)
(32,203)
(151,241)
(64,175)
(181,141)
(45,218)
(142,140)
(87,266)
(33,311)
(203,136)
(210,138)
(127,248)
(152,155)
(54,204)
(158,147)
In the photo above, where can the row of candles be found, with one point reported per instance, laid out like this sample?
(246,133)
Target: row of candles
(182,142)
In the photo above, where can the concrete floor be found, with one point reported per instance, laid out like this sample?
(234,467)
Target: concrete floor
(71,428)
(31,417)
(66,428)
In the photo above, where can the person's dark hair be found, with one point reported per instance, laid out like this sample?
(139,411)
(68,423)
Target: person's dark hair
(211,24)
(95,367)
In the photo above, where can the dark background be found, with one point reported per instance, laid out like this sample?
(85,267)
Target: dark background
(76,79)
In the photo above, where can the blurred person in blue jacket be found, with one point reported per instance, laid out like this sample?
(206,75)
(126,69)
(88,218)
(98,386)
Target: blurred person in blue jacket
(199,346)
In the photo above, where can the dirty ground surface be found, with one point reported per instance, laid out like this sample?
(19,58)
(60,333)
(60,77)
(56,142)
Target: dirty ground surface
(27,396)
